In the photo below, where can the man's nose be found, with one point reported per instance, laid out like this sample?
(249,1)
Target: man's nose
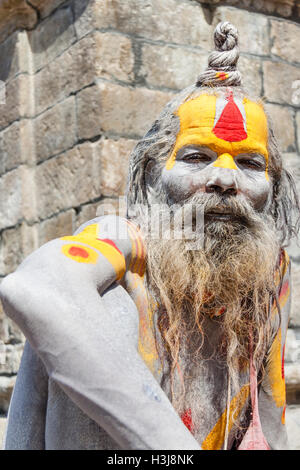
(222,181)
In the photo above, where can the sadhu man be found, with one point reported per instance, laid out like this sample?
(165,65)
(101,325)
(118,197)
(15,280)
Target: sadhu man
(142,342)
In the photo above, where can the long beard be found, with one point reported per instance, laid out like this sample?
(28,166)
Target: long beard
(230,276)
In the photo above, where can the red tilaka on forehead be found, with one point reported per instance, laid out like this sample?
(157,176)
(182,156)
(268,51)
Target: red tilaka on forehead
(231,124)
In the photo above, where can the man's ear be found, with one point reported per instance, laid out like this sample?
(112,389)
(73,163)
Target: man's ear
(153,182)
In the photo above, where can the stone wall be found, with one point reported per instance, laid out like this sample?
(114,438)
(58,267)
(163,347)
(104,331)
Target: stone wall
(85,79)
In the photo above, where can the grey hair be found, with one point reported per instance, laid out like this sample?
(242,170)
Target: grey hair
(223,59)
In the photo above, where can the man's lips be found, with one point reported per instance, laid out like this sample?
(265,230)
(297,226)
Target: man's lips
(222,215)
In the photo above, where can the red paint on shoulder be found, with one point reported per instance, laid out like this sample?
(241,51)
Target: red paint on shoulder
(110,242)
(77,251)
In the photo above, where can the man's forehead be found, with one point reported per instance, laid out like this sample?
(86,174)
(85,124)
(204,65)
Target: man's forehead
(236,124)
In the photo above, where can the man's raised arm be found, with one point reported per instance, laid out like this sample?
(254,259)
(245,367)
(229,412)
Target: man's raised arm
(84,326)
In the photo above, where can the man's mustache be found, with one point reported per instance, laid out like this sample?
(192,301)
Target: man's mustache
(237,206)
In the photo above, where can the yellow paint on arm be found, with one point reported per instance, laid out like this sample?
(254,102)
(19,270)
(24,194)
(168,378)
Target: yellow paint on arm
(88,239)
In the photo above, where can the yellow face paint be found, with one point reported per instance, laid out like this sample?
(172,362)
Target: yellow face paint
(225,161)
(200,125)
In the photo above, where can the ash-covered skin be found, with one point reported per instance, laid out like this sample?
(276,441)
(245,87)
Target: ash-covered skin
(194,171)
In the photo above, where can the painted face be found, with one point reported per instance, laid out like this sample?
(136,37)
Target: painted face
(221,147)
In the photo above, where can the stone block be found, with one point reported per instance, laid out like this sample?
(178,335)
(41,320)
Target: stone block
(6,388)
(11,250)
(80,65)
(55,129)
(16,14)
(285,37)
(45,7)
(298,129)
(292,347)
(279,80)
(10,198)
(68,180)
(11,147)
(283,123)
(114,58)
(9,331)
(295,313)
(10,357)
(114,162)
(169,21)
(111,108)
(171,67)
(292,416)
(93,14)
(51,37)
(105,206)
(18,100)
(58,226)
(251,70)
(14,53)
(252,28)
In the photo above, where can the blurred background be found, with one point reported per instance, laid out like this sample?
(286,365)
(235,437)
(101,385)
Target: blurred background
(82,81)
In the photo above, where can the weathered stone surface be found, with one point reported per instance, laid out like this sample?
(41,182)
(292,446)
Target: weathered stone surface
(10,198)
(295,314)
(171,67)
(6,388)
(292,373)
(111,108)
(14,55)
(292,347)
(284,129)
(15,14)
(45,7)
(9,331)
(105,206)
(58,226)
(16,145)
(251,70)
(169,21)
(10,147)
(252,27)
(285,37)
(51,37)
(97,55)
(282,7)
(114,57)
(2,429)
(68,180)
(298,130)
(10,356)
(292,417)
(11,252)
(55,130)
(114,161)
(278,81)
(18,100)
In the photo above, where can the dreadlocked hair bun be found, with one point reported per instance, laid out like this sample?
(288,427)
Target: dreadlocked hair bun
(222,63)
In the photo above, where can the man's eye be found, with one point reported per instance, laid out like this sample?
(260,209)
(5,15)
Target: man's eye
(250,164)
(196,158)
